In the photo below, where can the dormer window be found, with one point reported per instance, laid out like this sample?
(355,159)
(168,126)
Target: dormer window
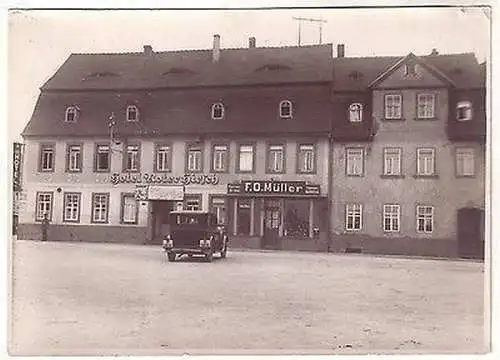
(410,69)
(132,113)
(217,111)
(71,114)
(285,109)
(464,111)
(356,112)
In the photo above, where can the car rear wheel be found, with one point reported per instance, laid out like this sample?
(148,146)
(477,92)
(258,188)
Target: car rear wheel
(171,256)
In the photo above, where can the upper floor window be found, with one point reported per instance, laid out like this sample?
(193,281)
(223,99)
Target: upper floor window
(246,158)
(426,161)
(393,106)
(132,158)
(47,157)
(354,161)
(392,161)
(220,158)
(74,158)
(425,106)
(285,109)
(71,114)
(355,112)
(465,161)
(102,157)
(132,113)
(306,158)
(275,158)
(163,158)
(464,111)
(217,111)
(194,158)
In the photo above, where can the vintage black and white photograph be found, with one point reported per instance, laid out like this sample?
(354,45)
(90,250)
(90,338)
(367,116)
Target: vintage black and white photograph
(308,181)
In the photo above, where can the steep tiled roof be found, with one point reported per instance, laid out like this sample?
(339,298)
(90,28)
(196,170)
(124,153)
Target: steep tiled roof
(193,68)
(355,74)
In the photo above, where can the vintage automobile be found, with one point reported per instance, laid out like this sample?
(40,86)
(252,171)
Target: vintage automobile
(194,233)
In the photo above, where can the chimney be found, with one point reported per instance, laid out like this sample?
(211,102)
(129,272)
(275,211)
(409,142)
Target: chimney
(148,50)
(434,52)
(216,49)
(251,42)
(340,50)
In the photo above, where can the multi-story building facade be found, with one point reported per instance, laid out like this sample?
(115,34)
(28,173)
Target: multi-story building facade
(409,155)
(117,141)
(290,147)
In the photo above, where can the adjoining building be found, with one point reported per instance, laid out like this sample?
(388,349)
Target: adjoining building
(117,141)
(409,155)
(291,147)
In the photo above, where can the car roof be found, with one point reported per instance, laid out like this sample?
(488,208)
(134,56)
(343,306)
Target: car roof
(190,212)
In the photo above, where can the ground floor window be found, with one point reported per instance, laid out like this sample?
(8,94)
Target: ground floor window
(43,205)
(243,216)
(192,202)
(71,207)
(353,214)
(100,207)
(296,217)
(129,209)
(425,219)
(391,218)
(218,207)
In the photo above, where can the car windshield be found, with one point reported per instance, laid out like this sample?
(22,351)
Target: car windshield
(189,219)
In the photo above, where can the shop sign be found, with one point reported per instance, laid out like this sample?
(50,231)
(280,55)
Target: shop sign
(265,187)
(16,164)
(169,192)
(164,179)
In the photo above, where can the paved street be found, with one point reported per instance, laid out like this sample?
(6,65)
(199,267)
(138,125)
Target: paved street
(81,299)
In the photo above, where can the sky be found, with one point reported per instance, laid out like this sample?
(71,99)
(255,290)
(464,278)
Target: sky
(40,41)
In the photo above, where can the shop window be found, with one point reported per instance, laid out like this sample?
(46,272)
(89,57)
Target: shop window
(102,158)
(71,207)
(296,218)
(192,202)
(218,207)
(129,209)
(47,155)
(243,216)
(100,207)
(43,205)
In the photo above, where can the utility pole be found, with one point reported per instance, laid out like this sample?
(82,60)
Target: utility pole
(320,22)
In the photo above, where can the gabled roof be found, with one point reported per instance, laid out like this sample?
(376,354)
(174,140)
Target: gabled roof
(462,69)
(417,60)
(189,68)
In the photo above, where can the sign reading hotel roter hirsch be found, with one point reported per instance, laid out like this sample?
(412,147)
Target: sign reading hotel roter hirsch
(171,192)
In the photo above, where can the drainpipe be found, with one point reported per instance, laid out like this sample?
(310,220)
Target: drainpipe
(330,190)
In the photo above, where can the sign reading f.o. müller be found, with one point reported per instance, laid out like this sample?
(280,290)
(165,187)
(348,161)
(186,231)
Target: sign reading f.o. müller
(274,187)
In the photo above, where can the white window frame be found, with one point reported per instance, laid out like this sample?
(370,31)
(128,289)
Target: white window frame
(163,158)
(306,158)
(192,202)
(47,151)
(130,110)
(393,111)
(465,160)
(392,212)
(219,158)
(132,161)
(392,161)
(355,158)
(353,212)
(44,202)
(426,106)
(217,107)
(71,211)
(246,150)
(468,106)
(356,112)
(276,158)
(74,157)
(194,159)
(100,208)
(102,149)
(426,217)
(285,105)
(129,209)
(426,161)
(71,110)
(412,66)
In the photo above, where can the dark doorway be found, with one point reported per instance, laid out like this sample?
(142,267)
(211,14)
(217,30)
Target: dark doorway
(272,222)
(470,233)
(161,211)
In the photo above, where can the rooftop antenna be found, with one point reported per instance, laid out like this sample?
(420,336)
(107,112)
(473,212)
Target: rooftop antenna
(319,21)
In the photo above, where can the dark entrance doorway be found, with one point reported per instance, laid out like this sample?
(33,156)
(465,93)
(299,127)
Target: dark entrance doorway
(470,233)
(272,223)
(160,212)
